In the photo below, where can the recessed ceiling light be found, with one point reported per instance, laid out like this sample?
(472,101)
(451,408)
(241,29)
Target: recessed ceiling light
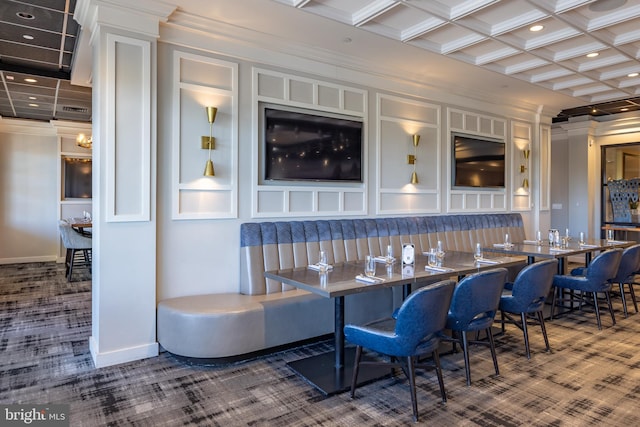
(594,110)
(9,77)
(632,75)
(27,37)
(30,80)
(624,109)
(33,105)
(535,28)
(32,97)
(592,54)
(25,15)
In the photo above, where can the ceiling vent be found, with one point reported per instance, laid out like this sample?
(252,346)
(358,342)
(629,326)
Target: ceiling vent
(75,109)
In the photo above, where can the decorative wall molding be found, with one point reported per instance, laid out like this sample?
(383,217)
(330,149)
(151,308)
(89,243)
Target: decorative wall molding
(301,198)
(198,82)
(128,145)
(397,120)
(475,200)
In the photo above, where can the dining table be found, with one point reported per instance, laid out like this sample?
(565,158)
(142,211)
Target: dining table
(79,224)
(331,372)
(533,249)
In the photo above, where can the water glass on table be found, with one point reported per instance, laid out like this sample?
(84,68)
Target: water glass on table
(477,255)
(322,264)
(369,266)
(389,254)
(610,234)
(440,252)
(432,257)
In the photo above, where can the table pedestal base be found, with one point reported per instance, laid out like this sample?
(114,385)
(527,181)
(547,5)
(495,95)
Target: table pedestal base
(320,372)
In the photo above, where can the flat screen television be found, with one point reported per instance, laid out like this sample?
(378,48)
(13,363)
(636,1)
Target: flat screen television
(303,145)
(77,178)
(478,162)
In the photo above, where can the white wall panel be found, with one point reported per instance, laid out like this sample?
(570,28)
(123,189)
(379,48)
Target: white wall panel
(398,119)
(521,140)
(129,143)
(475,200)
(299,198)
(198,82)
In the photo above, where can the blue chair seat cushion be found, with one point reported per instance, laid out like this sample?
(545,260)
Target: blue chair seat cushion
(580,283)
(478,323)
(380,337)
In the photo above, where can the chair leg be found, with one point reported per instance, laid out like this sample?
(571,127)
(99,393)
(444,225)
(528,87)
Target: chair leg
(595,304)
(465,351)
(553,301)
(436,361)
(492,345)
(613,316)
(67,262)
(502,319)
(356,368)
(544,330)
(412,386)
(633,296)
(523,316)
(73,257)
(624,300)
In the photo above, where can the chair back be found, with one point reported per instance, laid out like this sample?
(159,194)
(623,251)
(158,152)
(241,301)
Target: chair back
(629,264)
(71,238)
(532,286)
(475,300)
(423,314)
(603,269)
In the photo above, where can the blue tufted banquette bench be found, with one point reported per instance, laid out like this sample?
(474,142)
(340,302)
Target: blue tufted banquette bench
(267,314)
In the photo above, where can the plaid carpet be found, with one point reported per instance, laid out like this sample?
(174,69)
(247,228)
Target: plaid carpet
(591,377)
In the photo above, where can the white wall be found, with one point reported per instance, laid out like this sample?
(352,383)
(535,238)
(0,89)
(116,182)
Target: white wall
(28,194)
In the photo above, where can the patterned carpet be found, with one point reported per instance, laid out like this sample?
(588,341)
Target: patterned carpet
(591,377)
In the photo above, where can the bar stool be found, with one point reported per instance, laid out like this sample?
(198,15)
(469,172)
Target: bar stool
(78,248)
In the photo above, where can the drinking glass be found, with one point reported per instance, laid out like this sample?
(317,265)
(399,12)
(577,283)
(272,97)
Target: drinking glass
(322,264)
(507,240)
(477,255)
(582,238)
(566,234)
(369,266)
(433,258)
(389,254)
(539,237)
(609,234)
(440,253)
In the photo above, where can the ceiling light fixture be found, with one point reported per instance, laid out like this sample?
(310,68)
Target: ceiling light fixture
(33,98)
(30,80)
(592,54)
(83,141)
(27,37)
(632,75)
(536,28)
(594,110)
(34,105)
(25,15)
(624,109)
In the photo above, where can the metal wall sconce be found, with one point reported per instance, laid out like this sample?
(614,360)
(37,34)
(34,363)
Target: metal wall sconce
(209,142)
(411,159)
(523,168)
(84,142)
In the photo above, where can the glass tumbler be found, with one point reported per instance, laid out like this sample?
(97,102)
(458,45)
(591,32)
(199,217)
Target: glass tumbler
(369,266)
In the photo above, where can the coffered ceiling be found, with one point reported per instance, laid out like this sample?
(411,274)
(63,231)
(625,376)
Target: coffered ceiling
(436,40)
(37,42)
(586,49)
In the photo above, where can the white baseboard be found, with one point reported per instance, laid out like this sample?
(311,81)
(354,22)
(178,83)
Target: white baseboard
(24,260)
(116,357)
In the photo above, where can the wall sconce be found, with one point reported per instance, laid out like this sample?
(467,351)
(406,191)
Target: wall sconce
(525,183)
(411,159)
(84,142)
(209,142)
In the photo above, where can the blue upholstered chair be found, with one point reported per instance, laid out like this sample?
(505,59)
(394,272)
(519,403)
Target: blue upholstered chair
(526,296)
(415,332)
(629,264)
(473,308)
(597,278)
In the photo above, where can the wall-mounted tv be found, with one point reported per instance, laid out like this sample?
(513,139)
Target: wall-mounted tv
(77,178)
(304,145)
(477,161)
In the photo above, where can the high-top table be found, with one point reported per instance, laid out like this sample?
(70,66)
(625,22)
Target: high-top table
(331,372)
